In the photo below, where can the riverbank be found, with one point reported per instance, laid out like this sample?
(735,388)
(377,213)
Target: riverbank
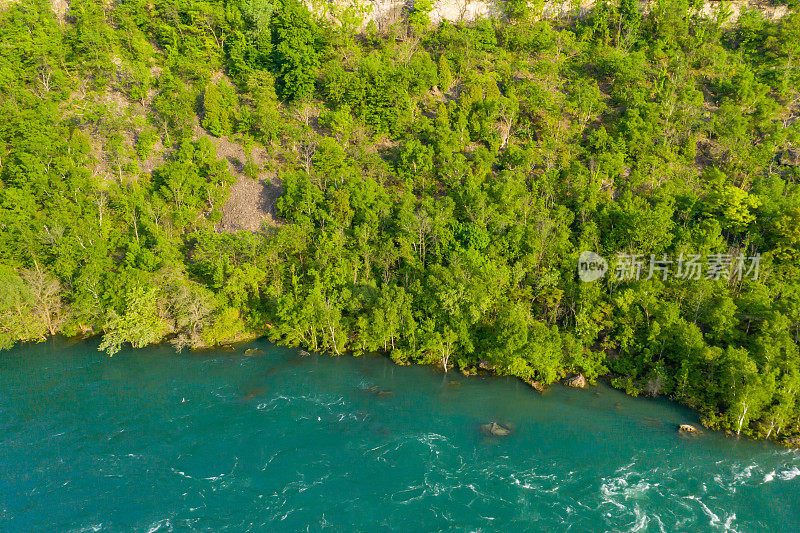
(567,379)
(480,370)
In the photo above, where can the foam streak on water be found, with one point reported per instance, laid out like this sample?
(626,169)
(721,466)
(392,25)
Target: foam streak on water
(154,441)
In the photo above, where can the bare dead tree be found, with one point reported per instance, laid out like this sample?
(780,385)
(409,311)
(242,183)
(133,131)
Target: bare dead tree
(507,116)
(46,291)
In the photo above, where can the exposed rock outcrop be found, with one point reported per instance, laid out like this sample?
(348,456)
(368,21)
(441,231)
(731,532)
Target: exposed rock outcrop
(537,385)
(577,381)
(386,12)
(495,430)
(483,364)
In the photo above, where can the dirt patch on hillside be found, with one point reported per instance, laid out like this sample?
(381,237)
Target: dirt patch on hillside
(251,204)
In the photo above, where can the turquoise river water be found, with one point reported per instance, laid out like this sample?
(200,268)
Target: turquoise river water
(150,440)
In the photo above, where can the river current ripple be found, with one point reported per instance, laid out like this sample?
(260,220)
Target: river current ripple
(155,441)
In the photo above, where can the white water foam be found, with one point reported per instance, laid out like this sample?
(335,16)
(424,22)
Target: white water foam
(620,486)
(714,519)
(784,475)
(626,486)
(641,519)
(93,527)
(745,473)
(157,526)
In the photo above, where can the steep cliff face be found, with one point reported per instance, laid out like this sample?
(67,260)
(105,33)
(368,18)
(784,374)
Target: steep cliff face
(386,12)
(455,10)
(736,8)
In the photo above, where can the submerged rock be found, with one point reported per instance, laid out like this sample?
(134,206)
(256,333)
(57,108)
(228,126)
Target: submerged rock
(577,381)
(652,422)
(250,352)
(687,428)
(494,429)
(254,392)
(379,392)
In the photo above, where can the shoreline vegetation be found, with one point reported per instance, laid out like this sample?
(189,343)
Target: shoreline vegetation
(202,172)
(578,381)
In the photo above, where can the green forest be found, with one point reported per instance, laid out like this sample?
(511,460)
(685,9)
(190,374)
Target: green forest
(436,186)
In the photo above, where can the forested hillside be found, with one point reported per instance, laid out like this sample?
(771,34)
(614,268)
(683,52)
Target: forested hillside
(437,186)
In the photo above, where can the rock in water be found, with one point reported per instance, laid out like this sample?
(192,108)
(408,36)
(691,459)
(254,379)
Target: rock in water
(494,429)
(379,392)
(251,352)
(650,421)
(687,428)
(254,392)
(578,381)
(536,385)
(499,431)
